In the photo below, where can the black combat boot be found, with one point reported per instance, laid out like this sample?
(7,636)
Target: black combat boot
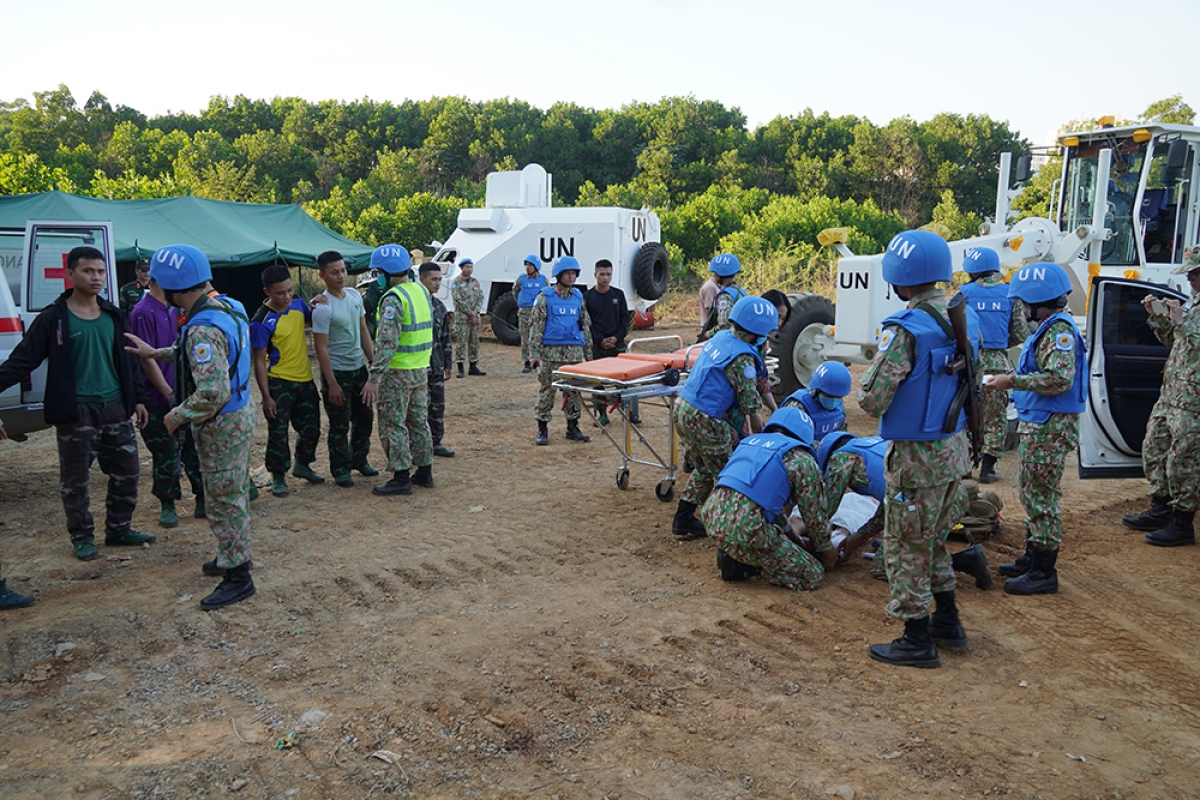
(574,433)
(685,525)
(475,370)
(734,570)
(460,370)
(543,433)
(987,469)
(914,649)
(944,626)
(1176,532)
(1042,577)
(527,368)
(1153,518)
(1019,567)
(211,568)
(399,484)
(11,599)
(236,587)
(973,561)
(423,477)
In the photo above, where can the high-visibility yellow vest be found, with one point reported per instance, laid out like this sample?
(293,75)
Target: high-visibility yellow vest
(416,325)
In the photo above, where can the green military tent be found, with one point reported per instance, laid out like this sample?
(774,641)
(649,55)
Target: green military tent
(230,234)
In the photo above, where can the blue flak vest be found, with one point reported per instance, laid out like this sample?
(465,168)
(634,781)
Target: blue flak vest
(825,421)
(236,328)
(994,308)
(919,406)
(707,389)
(756,469)
(1034,407)
(563,318)
(530,287)
(735,293)
(871,449)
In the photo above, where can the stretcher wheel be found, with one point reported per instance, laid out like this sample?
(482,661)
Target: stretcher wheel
(671,377)
(622,479)
(665,490)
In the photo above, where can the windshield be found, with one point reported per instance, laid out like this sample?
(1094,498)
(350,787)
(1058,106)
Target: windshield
(1120,199)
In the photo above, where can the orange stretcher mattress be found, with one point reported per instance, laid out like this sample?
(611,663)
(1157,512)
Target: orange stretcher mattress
(614,369)
(665,359)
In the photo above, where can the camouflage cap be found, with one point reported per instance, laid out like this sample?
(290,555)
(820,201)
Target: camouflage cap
(1191,261)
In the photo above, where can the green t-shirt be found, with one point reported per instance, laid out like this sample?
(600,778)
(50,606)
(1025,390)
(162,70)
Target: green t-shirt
(96,378)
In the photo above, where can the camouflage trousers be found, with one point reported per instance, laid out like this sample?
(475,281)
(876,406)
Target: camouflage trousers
(103,432)
(350,424)
(524,318)
(166,452)
(404,419)
(993,421)
(224,443)
(296,404)
(916,523)
(437,407)
(1171,455)
(544,409)
(1042,453)
(710,443)
(743,532)
(466,338)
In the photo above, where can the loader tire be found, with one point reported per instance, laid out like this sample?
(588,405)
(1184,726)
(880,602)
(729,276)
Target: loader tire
(505,321)
(651,270)
(797,360)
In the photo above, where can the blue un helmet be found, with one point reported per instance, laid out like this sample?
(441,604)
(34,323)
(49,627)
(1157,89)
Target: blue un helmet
(830,444)
(179,266)
(832,378)
(463,262)
(979,260)
(565,264)
(1040,283)
(755,315)
(793,422)
(725,265)
(533,259)
(391,259)
(917,257)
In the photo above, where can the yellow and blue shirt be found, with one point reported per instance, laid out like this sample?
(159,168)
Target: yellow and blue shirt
(281,333)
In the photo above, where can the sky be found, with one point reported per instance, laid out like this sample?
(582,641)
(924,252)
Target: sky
(1034,65)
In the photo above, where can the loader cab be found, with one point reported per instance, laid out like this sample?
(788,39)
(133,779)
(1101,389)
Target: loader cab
(1150,203)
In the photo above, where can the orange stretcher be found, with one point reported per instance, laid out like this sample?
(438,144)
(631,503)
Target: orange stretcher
(625,386)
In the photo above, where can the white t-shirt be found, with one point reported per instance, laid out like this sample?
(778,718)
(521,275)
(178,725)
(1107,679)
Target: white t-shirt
(339,319)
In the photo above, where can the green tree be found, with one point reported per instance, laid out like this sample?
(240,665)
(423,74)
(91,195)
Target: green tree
(1169,110)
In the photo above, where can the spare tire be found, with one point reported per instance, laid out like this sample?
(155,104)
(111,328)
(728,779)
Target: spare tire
(793,343)
(651,270)
(506,323)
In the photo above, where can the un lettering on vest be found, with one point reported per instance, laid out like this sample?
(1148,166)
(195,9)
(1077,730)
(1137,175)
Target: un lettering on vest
(760,441)
(983,305)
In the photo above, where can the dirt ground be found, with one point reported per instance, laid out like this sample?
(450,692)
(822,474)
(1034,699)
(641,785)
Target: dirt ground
(526,629)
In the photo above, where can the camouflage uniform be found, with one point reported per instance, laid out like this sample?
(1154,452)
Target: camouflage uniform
(524,326)
(105,432)
(371,295)
(468,296)
(299,404)
(403,399)
(745,534)
(553,356)
(1044,446)
(925,496)
(439,362)
(350,424)
(1171,448)
(710,441)
(718,316)
(129,295)
(223,442)
(993,403)
(843,471)
(168,452)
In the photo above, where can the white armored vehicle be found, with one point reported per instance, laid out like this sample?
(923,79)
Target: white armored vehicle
(517,220)
(1122,213)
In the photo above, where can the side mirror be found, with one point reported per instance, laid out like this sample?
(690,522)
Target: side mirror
(1024,168)
(1177,154)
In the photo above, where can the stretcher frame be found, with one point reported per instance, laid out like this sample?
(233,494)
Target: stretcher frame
(658,389)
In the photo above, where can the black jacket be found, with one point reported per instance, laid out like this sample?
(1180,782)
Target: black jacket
(49,338)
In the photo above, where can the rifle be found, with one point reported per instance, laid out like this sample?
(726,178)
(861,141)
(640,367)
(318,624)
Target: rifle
(967,395)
